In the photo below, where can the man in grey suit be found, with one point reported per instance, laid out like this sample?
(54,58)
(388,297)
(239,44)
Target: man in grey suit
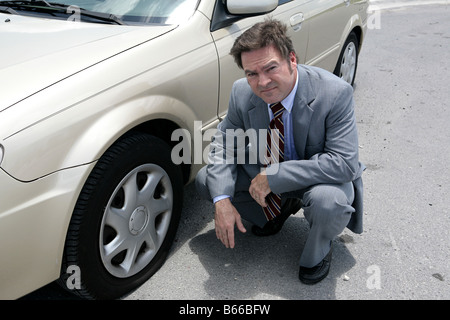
(320,171)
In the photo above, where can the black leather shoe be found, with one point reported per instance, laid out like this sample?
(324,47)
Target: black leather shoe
(291,206)
(316,273)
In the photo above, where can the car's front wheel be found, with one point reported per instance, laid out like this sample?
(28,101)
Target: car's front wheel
(125,219)
(348,60)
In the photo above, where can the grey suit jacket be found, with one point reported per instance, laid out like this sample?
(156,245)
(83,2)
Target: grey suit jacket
(325,138)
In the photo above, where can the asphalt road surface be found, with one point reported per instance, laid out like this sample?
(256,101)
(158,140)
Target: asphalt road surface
(402,105)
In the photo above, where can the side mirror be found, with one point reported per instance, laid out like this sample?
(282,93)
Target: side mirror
(250,7)
(228,12)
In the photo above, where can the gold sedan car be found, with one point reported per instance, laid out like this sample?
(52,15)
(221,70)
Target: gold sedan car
(95,96)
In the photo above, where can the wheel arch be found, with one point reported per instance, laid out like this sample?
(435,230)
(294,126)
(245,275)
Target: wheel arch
(162,129)
(355,25)
(158,116)
(357,30)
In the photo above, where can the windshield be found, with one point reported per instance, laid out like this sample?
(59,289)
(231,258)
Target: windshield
(130,12)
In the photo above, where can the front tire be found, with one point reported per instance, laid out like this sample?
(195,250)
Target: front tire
(125,219)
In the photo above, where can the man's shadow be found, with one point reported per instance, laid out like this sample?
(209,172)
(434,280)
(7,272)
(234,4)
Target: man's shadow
(266,267)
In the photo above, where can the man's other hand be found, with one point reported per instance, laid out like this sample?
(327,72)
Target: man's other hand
(259,189)
(226,216)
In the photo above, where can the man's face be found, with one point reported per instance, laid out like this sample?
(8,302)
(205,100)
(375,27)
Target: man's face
(270,76)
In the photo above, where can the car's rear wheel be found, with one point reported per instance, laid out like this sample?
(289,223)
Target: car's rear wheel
(125,219)
(348,60)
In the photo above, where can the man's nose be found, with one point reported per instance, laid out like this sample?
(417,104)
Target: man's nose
(264,81)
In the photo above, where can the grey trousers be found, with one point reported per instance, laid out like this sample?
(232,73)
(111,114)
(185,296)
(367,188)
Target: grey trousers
(326,207)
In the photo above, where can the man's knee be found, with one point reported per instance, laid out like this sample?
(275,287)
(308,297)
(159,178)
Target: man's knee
(200,184)
(326,200)
(327,196)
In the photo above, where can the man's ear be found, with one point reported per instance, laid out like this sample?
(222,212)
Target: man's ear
(293,57)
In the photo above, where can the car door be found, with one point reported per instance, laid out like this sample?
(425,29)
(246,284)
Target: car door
(291,12)
(327,21)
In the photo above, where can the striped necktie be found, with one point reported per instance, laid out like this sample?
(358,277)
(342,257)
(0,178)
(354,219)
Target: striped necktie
(274,154)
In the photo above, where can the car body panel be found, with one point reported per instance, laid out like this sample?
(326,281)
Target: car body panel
(334,17)
(31,230)
(42,43)
(70,90)
(125,98)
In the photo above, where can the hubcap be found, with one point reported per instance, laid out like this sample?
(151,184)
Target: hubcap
(136,220)
(348,63)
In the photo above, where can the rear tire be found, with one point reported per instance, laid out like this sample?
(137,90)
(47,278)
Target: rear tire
(125,219)
(348,60)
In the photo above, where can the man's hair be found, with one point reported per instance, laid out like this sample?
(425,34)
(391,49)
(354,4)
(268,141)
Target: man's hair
(261,35)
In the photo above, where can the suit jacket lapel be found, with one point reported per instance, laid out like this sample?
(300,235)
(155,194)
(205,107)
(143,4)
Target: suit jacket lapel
(258,114)
(259,119)
(302,112)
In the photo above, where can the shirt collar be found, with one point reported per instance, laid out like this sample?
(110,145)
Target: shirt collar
(288,102)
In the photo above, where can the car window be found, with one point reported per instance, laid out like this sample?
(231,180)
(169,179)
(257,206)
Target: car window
(128,12)
(280,2)
(141,11)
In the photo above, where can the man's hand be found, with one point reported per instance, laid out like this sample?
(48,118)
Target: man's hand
(259,189)
(226,217)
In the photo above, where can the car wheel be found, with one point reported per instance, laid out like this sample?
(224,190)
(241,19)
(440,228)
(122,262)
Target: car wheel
(348,60)
(125,219)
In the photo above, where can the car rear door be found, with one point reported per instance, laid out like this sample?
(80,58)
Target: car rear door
(327,21)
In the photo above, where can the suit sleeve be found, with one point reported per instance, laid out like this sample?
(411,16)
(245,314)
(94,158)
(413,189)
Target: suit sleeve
(222,164)
(337,161)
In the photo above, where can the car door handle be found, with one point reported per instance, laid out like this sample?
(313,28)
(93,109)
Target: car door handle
(347,3)
(296,21)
